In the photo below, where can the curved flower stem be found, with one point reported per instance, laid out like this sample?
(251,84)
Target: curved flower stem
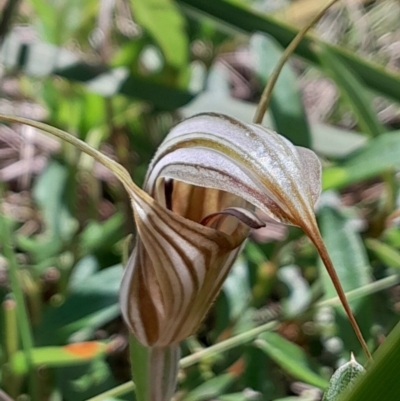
(316,238)
(119,171)
(266,95)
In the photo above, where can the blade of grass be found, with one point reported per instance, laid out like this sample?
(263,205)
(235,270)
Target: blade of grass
(353,91)
(266,95)
(379,155)
(286,107)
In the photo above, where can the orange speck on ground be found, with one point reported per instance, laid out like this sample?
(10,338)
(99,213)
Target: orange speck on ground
(84,350)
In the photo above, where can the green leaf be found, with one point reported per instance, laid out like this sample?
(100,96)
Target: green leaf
(163,21)
(353,91)
(290,357)
(211,388)
(59,221)
(343,379)
(98,294)
(241,17)
(246,395)
(60,225)
(71,354)
(286,106)
(381,381)
(387,254)
(379,155)
(98,236)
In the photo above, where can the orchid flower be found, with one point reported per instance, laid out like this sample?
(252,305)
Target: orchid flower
(206,180)
(193,215)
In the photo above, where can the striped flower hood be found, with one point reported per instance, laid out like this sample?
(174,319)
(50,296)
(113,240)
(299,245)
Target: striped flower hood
(202,187)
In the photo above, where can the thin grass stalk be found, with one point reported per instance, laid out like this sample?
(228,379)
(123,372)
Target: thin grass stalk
(21,309)
(10,339)
(267,93)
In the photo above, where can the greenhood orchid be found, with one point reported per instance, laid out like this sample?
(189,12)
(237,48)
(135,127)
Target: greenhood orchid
(206,179)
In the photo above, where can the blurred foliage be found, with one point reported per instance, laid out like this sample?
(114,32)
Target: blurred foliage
(118,74)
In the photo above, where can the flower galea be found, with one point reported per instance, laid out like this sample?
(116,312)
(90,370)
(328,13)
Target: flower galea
(204,183)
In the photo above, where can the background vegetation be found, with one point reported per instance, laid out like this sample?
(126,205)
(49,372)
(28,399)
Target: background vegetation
(118,74)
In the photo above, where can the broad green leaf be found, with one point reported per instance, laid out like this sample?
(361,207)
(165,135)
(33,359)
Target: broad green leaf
(379,155)
(290,357)
(97,294)
(343,379)
(164,22)
(246,395)
(241,17)
(286,107)
(71,354)
(84,329)
(384,252)
(335,142)
(82,271)
(381,381)
(211,388)
(59,221)
(97,236)
(352,90)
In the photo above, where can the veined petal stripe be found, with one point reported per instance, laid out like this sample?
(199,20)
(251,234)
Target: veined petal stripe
(164,258)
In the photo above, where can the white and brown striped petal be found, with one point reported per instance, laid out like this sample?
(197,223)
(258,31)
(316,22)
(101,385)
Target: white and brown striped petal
(205,181)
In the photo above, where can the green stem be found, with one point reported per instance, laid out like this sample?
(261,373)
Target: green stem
(266,95)
(250,335)
(10,328)
(154,370)
(21,310)
(10,382)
